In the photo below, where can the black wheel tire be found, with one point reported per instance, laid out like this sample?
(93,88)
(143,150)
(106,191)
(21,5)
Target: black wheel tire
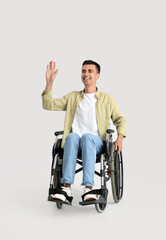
(59,205)
(57,175)
(100,207)
(117,176)
(57,181)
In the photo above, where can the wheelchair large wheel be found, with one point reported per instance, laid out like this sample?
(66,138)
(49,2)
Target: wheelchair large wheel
(57,179)
(117,176)
(57,173)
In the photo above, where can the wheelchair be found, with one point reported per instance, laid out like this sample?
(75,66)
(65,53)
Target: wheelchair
(111,168)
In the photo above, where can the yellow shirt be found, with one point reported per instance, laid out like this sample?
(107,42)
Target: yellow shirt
(106,108)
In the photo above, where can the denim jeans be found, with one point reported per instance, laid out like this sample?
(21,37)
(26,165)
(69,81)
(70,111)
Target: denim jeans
(89,145)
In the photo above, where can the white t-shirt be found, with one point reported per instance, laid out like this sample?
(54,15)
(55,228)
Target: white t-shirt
(85,120)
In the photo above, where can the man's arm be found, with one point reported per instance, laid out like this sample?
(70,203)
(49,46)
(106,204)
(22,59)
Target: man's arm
(47,100)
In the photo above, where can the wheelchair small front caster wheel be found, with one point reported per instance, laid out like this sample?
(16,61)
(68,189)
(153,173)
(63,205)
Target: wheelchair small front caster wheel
(100,207)
(59,205)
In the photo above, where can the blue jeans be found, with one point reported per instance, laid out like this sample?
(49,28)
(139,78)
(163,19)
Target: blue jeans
(89,145)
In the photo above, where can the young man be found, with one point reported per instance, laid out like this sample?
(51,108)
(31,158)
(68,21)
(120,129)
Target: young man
(88,114)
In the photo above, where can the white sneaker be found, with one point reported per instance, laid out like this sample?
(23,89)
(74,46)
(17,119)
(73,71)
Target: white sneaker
(89,196)
(61,196)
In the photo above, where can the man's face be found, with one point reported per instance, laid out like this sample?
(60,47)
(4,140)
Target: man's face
(89,75)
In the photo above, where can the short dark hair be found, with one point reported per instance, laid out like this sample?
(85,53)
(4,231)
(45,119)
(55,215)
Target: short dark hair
(88,62)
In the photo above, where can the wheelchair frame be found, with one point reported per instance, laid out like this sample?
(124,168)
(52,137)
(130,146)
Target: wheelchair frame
(111,167)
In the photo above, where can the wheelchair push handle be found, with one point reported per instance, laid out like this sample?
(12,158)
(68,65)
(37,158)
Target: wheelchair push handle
(58,133)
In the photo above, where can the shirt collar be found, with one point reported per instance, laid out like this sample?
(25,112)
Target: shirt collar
(97,94)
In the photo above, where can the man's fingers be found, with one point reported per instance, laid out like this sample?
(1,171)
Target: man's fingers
(48,66)
(56,72)
(54,65)
(51,64)
(115,146)
(118,147)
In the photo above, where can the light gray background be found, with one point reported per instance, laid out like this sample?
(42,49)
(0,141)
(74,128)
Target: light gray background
(128,39)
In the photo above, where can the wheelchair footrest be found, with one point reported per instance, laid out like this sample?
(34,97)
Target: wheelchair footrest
(102,196)
(89,202)
(57,200)
(60,191)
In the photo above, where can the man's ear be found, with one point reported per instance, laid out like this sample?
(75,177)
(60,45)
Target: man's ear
(98,75)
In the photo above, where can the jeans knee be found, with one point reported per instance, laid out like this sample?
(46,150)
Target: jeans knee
(86,138)
(72,138)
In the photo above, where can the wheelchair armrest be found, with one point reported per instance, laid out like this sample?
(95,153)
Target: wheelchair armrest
(110,131)
(58,133)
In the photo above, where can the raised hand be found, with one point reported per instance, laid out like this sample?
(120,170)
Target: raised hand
(51,73)
(50,76)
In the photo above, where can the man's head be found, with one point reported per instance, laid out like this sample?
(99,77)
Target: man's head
(90,72)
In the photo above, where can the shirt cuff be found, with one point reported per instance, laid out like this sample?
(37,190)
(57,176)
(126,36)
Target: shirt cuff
(120,130)
(47,95)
